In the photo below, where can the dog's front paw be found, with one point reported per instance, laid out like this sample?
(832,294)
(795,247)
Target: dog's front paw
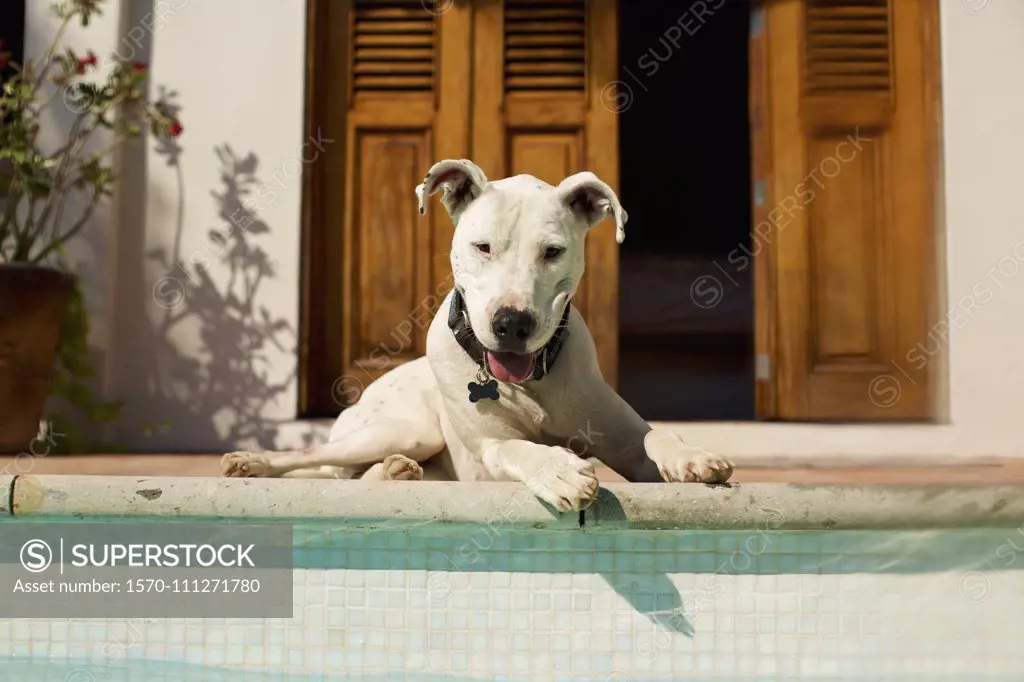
(400,468)
(566,482)
(244,465)
(701,467)
(679,462)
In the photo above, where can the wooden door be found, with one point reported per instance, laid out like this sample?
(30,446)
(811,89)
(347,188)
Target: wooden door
(543,75)
(399,84)
(845,139)
(408,107)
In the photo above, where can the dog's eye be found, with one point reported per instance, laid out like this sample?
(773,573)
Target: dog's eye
(553,252)
(483,247)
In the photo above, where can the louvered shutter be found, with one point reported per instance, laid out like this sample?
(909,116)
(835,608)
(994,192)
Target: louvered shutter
(848,217)
(847,48)
(545,46)
(393,46)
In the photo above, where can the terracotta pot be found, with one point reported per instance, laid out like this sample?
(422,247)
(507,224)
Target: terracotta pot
(32,300)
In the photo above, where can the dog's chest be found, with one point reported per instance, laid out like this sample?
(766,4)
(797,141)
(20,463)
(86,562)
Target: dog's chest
(520,406)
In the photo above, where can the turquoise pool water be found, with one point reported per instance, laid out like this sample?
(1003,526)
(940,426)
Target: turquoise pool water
(149,671)
(143,672)
(426,603)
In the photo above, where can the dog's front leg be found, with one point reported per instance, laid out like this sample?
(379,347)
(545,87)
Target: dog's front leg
(607,428)
(555,475)
(680,462)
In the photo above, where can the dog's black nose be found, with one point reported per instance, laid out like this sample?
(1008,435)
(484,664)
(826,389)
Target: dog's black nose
(511,325)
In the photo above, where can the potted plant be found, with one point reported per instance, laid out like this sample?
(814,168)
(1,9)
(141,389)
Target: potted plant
(43,324)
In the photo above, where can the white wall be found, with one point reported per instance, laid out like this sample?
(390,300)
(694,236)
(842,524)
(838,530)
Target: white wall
(238,68)
(178,322)
(983,101)
(189,326)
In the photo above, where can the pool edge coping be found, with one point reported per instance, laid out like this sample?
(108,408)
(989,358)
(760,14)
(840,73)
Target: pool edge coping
(6,494)
(780,506)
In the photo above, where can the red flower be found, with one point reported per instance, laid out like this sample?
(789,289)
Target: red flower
(175,129)
(139,67)
(88,60)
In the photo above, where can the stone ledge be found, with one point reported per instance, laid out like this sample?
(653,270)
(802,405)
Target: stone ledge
(784,506)
(361,504)
(5,493)
(353,503)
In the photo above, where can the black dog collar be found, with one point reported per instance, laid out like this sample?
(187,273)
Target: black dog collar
(458,322)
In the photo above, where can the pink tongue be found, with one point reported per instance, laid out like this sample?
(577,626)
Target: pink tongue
(510,367)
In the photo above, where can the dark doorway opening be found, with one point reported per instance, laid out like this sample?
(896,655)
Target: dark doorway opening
(686,319)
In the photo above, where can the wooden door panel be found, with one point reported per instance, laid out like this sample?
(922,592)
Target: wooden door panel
(849,213)
(841,227)
(387,245)
(540,70)
(402,117)
(390,277)
(551,157)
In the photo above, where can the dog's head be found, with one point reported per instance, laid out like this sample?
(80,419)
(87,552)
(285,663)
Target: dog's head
(517,254)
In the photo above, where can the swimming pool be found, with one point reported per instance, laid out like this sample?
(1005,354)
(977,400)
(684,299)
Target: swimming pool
(440,581)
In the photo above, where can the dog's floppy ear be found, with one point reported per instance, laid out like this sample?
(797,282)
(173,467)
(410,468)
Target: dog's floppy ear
(591,200)
(460,181)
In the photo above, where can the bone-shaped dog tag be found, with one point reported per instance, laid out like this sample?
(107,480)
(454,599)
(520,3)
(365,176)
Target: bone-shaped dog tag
(483,391)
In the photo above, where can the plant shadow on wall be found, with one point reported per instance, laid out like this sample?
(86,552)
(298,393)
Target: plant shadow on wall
(228,379)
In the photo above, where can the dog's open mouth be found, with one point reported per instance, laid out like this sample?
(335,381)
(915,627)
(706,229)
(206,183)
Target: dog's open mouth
(511,368)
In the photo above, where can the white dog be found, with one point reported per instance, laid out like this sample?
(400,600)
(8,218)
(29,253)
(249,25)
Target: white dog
(509,389)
